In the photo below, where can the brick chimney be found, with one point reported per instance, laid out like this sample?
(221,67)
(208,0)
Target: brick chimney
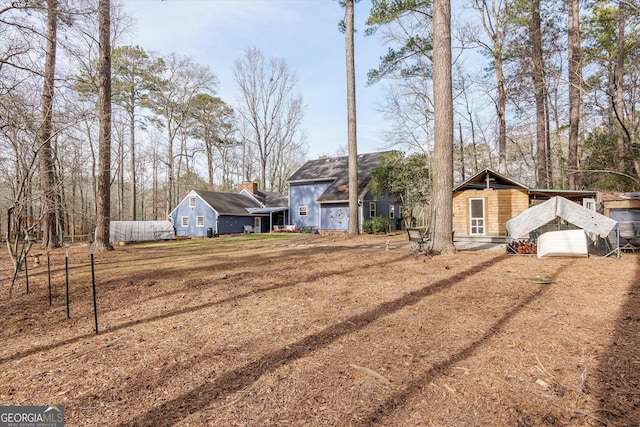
(252,187)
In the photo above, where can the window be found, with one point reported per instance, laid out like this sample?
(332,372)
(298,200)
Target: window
(192,202)
(200,221)
(302,210)
(589,204)
(392,211)
(372,209)
(185,221)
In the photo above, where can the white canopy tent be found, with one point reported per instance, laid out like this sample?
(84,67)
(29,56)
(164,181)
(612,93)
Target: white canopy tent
(539,215)
(591,222)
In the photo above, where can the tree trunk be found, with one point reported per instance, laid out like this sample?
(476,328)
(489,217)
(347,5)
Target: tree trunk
(462,169)
(120,169)
(132,158)
(155,192)
(537,75)
(209,147)
(443,129)
(502,121)
(354,214)
(547,136)
(575,89)
(619,79)
(50,235)
(103,196)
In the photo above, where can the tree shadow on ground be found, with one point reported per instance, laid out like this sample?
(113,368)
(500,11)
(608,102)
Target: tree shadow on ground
(304,278)
(616,382)
(201,397)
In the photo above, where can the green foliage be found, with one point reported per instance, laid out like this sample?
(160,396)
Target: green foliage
(387,11)
(377,224)
(135,74)
(411,57)
(213,120)
(602,162)
(405,178)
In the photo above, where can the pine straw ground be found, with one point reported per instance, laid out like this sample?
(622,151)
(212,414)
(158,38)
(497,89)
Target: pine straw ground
(324,331)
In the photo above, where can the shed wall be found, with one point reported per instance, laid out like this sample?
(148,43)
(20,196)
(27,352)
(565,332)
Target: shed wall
(621,205)
(500,206)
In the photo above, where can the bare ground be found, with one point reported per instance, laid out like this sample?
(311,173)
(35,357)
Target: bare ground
(324,331)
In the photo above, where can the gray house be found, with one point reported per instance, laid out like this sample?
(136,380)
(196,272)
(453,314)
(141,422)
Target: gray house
(319,194)
(207,213)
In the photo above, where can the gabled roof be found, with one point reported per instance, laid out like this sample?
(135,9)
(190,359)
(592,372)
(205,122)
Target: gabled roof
(489,178)
(228,203)
(336,170)
(272,199)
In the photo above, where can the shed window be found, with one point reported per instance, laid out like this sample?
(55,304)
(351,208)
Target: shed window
(589,204)
(192,202)
(392,211)
(302,210)
(185,221)
(200,221)
(372,209)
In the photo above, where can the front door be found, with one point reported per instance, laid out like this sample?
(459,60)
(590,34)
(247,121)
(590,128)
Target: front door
(476,216)
(257,225)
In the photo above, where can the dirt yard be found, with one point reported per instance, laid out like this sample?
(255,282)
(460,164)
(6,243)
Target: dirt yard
(324,331)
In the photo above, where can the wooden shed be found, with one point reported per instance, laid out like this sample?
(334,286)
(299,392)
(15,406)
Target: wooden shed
(484,203)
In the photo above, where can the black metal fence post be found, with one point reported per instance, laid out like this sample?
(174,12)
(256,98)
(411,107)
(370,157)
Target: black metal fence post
(93,285)
(66,269)
(49,276)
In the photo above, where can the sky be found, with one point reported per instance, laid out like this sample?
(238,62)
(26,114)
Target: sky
(302,32)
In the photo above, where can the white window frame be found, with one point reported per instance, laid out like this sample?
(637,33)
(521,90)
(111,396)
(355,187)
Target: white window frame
(184,221)
(192,201)
(200,221)
(477,225)
(373,209)
(392,211)
(303,211)
(589,203)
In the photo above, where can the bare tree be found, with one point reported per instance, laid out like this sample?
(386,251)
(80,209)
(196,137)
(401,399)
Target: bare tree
(271,113)
(443,130)
(103,192)
(181,82)
(135,75)
(496,23)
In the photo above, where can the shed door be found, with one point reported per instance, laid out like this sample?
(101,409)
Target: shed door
(476,216)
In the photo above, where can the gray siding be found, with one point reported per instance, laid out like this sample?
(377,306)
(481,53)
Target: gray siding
(201,209)
(228,224)
(306,195)
(335,216)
